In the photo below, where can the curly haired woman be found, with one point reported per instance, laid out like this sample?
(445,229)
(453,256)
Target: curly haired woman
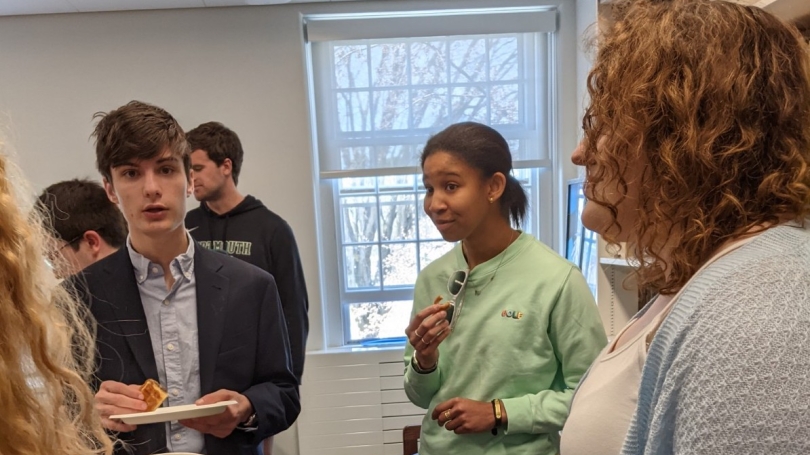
(45,347)
(697,154)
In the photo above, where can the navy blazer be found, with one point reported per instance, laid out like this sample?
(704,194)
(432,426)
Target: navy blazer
(243,343)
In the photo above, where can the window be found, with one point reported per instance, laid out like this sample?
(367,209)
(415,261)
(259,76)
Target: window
(376,101)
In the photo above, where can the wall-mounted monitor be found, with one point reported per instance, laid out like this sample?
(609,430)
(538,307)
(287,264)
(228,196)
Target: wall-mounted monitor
(581,245)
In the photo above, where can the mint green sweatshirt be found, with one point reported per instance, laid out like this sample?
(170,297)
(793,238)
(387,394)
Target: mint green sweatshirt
(526,339)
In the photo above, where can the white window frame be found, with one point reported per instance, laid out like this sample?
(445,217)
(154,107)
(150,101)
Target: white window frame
(330,255)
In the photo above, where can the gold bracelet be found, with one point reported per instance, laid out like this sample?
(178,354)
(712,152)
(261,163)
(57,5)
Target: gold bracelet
(496,409)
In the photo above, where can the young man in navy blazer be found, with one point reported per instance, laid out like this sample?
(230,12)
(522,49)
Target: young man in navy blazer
(208,327)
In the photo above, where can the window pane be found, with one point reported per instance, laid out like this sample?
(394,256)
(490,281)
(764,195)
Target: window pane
(399,264)
(356,184)
(515,148)
(398,220)
(351,66)
(527,179)
(361,264)
(505,104)
(503,59)
(356,158)
(353,111)
(430,251)
(427,230)
(469,104)
(378,319)
(396,155)
(428,63)
(429,108)
(468,60)
(391,110)
(359,219)
(389,65)
(396,183)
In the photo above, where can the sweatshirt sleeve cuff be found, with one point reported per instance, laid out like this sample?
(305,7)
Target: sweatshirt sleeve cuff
(423,384)
(518,414)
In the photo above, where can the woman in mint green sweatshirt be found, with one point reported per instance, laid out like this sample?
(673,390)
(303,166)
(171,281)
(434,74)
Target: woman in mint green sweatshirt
(497,375)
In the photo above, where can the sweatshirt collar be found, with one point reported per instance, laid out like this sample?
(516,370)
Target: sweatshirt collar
(499,260)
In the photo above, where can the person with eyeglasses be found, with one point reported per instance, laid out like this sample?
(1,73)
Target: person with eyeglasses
(88,226)
(502,327)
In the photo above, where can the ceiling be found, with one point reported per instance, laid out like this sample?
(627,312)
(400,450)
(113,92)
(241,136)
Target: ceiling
(787,9)
(23,7)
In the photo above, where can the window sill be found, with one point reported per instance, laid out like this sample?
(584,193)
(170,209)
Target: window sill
(348,349)
(620,262)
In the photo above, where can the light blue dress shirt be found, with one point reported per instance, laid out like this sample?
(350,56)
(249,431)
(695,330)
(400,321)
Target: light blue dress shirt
(172,319)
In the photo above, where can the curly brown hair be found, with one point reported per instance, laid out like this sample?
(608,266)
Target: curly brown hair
(714,99)
(803,24)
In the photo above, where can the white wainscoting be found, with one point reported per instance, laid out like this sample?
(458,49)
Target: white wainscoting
(353,403)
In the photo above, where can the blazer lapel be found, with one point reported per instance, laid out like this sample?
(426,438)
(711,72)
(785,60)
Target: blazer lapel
(212,290)
(125,299)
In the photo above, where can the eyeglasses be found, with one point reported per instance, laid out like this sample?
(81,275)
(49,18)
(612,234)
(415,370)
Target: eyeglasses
(455,286)
(78,238)
(71,242)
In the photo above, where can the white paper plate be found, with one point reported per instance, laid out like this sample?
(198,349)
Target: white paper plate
(172,413)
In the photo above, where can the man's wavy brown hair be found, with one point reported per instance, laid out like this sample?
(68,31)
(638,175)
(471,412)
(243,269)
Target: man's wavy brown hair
(713,98)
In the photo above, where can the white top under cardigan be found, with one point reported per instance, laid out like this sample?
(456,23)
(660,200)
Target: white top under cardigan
(607,396)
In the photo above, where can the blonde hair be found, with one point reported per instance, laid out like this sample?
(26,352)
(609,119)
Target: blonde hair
(714,99)
(46,346)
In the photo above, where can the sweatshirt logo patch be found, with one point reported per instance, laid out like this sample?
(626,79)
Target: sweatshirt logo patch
(231,247)
(514,314)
